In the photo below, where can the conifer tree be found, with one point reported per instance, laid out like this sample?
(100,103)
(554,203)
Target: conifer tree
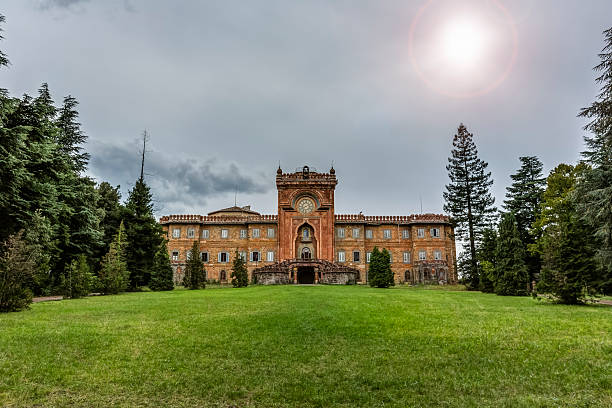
(594,192)
(566,244)
(17,265)
(77,281)
(114,275)
(111,213)
(467,197)
(195,276)
(487,260)
(380,274)
(523,199)
(511,272)
(162,276)
(240,275)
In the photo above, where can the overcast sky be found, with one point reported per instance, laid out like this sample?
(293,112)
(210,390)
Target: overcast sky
(228,89)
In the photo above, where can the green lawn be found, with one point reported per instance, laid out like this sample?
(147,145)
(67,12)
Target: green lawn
(307,346)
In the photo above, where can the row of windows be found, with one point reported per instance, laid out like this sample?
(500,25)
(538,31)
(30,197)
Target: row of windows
(437,255)
(388,233)
(224,257)
(255,233)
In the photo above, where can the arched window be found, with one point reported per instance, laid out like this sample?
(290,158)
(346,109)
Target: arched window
(407,276)
(222,275)
(306,253)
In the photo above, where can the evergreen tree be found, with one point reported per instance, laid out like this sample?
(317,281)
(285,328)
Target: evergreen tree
(114,275)
(523,199)
(380,274)
(110,214)
(487,260)
(195,276)
(467,197)
(17,265)
(511,276)
(595,187)
(240,275)
(566,244)
(162,276)
(77,281)
(38,237)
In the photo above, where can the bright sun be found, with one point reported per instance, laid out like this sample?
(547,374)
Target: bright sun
(463,43)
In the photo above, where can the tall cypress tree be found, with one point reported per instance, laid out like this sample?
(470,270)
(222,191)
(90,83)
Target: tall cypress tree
(487,261)
(467,197)
(523,199)
(195,276)
(240,275)
(595,187)
(511,272)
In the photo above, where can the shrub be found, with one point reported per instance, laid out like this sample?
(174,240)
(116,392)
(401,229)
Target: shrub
(17,267)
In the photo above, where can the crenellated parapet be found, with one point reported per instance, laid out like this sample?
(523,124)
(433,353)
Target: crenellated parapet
(393,219)
(208,219)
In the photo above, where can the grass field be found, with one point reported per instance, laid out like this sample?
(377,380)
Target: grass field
(306,346)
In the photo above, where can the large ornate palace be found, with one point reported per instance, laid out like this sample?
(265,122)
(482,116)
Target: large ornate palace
(308,243)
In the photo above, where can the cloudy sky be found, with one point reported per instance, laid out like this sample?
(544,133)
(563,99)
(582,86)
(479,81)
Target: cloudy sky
(228,89)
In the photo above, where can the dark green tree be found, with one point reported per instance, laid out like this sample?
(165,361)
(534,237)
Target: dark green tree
(523,199)
(594,191)
(511,276)
(162,276)
(566,244)
(77,280)
(240,275)
(467,197)
(114,276)
(195,276)
(144,232)
(380,274)
(17,266)
(487,261)
(110,214)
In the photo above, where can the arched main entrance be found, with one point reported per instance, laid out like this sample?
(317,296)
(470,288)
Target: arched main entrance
(306,275)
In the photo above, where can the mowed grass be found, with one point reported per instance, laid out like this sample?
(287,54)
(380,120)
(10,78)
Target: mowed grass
(306,346)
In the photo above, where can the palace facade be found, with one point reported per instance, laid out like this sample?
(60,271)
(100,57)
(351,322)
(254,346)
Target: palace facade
(307,242)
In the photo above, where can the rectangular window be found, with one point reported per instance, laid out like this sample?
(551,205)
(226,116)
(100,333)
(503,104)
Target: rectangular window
(356,256)
(205,234)
(176,233)
(255,256)
(341,256)
(405,234)
(204,256)
(270,256)
(243,233)
(368,254)
(355,232)
(406,257)
(191,233)
(421,232)
(422,255)
(188,254)
(223,257)
(224,233)
(270,232)
(438,255)
(255,232)
(435,232)
(369,234)
(175,255)
(242,254)
(387,234)
(340,232)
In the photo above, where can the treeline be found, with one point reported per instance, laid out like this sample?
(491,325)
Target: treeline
(61,233)
(553,234)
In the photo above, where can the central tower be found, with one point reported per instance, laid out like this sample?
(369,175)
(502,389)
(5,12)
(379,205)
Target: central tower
(306,214)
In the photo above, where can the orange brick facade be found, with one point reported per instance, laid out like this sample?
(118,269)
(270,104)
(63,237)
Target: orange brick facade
(422,246)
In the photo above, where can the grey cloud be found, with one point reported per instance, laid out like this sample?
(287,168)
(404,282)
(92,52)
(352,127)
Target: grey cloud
(176,182)
(45,4)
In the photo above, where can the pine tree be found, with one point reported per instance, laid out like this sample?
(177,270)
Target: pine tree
(144,232)
(77,281)
(380,274)
(240,275)
(595,187)
(111,213)
(162,276)
(114,275)
(17,265)
(467,197)
(523,199)
(487,260)
(511,276)
(566,244)
(195,276)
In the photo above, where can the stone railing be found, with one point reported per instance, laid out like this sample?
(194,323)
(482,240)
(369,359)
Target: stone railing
(204,219)
(393,219)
